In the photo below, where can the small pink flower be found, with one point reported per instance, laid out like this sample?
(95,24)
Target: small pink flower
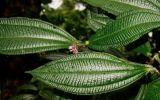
(73,48)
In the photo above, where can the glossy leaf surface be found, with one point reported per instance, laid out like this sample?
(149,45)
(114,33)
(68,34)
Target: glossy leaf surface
(118,6)
(90,73)
(126,29)
(24,35)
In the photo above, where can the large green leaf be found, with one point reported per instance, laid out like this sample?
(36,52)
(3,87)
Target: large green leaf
(90,73)
(97,21)
(149,91)
(126,29)
(118,6)
(24,35)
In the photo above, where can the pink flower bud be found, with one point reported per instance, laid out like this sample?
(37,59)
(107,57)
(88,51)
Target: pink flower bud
(73,48)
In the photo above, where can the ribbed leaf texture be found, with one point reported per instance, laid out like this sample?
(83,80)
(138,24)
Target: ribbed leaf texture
(128,27)
(24,35)
(118,6)
(97,21)
(149,91)
(90,73)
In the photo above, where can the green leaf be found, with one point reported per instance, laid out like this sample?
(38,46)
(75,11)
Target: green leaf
(125,30)
(90,73)
(23,97)
(49,95)
(118,6)
(42,85)
(24,36)
(28,87)
(97,21)
(149,91)
(141,92)
(144,49)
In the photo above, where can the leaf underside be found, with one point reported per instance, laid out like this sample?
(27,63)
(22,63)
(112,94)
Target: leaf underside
(90,73)
(118,6)
(126,29)
(23,35)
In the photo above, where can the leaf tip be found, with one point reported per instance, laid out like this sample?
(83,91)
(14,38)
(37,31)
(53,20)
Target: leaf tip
(28,72)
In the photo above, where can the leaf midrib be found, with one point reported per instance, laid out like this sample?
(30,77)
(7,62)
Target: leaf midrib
(92,72)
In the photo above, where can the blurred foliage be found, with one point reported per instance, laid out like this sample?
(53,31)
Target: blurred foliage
(67,17)
(144,49)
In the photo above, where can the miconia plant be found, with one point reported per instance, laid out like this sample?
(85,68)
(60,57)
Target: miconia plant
(88,72)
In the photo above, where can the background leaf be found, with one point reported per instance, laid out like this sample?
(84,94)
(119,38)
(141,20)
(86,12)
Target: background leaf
(28,87)
(90,73)
(144,49)
(97,21)
(49,95)
(141,92)
(23,97)
(24,35)
(149,91)
(125,30)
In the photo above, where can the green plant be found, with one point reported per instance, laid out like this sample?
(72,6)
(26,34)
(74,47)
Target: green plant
(90,72)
